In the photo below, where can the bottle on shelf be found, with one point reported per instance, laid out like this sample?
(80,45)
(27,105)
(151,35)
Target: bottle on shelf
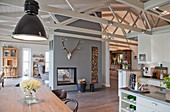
(131,98)
(132,107)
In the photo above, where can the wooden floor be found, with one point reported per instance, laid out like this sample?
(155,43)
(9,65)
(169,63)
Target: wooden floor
(102,100)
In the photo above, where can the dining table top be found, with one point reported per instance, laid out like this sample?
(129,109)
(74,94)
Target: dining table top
(12,100)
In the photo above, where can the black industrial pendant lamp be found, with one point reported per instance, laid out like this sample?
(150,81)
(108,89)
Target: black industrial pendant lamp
(30,27)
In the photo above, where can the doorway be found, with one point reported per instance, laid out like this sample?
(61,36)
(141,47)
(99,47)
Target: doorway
(26,62)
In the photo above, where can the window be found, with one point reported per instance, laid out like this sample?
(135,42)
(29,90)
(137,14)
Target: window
(46,61)
(26,62)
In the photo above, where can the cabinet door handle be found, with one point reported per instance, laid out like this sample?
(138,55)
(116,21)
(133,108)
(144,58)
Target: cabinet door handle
(155,104)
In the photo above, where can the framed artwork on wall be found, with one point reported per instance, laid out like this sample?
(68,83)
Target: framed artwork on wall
(142,57)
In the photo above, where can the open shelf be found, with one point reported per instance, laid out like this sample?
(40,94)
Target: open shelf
(127,110)
(129,102)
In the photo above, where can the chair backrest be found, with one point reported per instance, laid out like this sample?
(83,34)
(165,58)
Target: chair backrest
(40,68)
(1,74)
(72,101)
(60,93)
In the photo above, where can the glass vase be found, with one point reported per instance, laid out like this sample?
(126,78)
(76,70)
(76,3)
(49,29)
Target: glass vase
(29,97)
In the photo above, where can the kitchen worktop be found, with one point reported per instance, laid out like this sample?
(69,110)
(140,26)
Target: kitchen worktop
(152,78)
(128,70)
(154,95)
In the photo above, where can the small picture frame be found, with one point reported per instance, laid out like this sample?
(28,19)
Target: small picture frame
(142,57)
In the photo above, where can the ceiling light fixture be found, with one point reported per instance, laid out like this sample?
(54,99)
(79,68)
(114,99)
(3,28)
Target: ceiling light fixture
(30,27)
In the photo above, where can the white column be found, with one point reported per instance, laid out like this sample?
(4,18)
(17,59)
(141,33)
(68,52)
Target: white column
(51,65)
(105,64)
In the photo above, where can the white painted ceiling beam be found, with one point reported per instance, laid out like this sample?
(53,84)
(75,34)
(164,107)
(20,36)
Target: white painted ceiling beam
(10,30)
(71,5)
(147,20)
(91,38)
(116,19)
(70,28)
(95,5)
(75,15)
(133,3)
(71,20)
(122,20)
(54,18)
(155,3)
(59,26)
(139,5)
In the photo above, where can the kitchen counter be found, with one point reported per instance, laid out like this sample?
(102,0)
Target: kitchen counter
(154,95)
(151,81)
(128,70)
(152,78)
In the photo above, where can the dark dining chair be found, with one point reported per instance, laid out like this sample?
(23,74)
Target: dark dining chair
(60,93)
(74,104)
(17,85)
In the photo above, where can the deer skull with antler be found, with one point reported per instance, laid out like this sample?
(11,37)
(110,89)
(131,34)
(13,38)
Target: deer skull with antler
(69,54)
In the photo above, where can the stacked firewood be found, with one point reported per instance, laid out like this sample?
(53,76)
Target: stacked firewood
(82,81)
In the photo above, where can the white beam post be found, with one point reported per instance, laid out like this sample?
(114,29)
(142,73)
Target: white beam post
(105,64)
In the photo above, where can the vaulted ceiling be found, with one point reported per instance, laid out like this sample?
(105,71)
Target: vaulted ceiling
(119,17)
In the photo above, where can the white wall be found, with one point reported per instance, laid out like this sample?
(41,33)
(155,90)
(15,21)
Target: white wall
(133,54)
(35,49)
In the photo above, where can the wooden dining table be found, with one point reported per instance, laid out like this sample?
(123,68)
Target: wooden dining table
(12,100)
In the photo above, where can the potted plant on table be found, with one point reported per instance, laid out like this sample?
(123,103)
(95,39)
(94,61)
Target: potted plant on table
(167,83)
(125,65)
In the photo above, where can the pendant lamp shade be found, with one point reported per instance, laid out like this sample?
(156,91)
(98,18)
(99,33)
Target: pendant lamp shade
(30,26)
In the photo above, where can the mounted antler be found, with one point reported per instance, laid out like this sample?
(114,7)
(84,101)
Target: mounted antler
(69,54)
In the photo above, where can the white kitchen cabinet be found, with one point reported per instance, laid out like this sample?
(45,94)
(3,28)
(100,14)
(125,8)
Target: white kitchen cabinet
(157,50)
(141,108)
(152,102)
(150,81)
(166,48)
(151,105)
(144,47)
(155,47)
(122,79)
